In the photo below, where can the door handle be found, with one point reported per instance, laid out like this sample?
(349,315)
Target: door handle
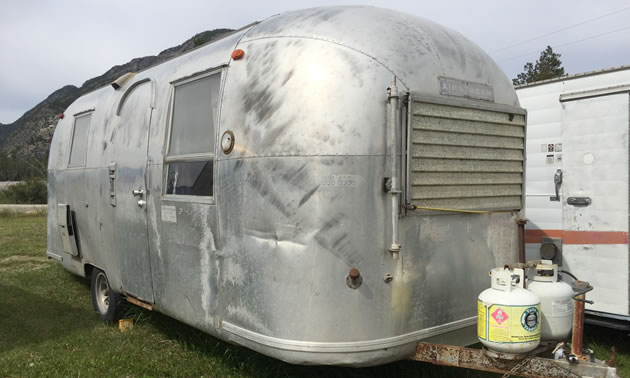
(142,203)
(579,201)
(138,192)
(557,180)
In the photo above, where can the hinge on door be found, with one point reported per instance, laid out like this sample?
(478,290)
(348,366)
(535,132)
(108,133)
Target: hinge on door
(112,184)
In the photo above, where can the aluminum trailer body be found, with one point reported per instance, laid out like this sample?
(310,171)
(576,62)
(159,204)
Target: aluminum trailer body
(299,239)
(578,132)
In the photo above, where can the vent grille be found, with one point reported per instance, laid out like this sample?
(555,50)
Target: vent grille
(466,159)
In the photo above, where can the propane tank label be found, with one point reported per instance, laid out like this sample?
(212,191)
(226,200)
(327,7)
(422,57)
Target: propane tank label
(508,324)
(561,307)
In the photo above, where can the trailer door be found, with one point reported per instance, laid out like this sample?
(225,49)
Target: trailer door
(595,195)
(129,196)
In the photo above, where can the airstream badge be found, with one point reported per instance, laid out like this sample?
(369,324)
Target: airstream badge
(460,88)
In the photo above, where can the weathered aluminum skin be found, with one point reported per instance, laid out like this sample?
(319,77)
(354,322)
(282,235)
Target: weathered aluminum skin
(298,202)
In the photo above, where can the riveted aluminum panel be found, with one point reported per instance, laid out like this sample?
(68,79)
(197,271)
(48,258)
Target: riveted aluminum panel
(464,191)
(467,153)
(467,178)
(464,158)
(466,114)
(459,165)
(417,50)
(129,153)
(453,139)
(472,127)
(482,203)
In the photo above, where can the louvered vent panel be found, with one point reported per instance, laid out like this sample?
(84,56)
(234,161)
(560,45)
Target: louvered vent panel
(467,159)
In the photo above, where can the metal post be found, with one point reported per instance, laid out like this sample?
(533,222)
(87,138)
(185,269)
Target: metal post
(521,240)
(392,141)
(578,325)
(579,299)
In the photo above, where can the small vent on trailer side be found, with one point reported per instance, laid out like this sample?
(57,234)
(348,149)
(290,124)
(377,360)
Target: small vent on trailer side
(465,157)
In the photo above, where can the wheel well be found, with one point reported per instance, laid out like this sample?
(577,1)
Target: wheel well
(88,268)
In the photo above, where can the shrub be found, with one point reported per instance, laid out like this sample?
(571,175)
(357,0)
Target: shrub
(31,191)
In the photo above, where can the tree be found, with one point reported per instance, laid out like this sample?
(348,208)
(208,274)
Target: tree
(547,66)
(13,168)
(198,41)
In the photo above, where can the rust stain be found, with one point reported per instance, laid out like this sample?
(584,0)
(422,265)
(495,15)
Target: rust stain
(449,355)
(578,326)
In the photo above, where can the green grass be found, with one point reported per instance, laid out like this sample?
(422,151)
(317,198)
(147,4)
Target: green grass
(10,213)
(4,198)
(48,328)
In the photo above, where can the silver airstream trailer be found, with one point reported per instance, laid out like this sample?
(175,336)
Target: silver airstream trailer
(328,186)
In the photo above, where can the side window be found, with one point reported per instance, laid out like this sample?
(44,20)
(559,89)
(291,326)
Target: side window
(190,157)
(78,149)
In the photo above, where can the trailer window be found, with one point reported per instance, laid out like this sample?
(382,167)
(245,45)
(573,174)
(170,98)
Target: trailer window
(194,107)
(189,169)
(193,178)
(78,149)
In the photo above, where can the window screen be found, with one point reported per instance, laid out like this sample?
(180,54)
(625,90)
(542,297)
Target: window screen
(78,149)
(195,108)
(194,114)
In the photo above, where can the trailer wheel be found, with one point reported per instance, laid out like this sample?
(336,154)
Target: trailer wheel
(106,302)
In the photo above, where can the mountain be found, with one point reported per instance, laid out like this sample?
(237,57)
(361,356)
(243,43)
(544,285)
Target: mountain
(5,130)
(29,137)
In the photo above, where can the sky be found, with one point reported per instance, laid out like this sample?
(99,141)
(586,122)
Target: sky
(45,45)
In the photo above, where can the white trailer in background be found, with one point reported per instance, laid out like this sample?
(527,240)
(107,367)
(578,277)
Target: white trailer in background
(577,201)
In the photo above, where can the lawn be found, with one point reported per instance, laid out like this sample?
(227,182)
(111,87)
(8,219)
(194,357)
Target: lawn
(48,328)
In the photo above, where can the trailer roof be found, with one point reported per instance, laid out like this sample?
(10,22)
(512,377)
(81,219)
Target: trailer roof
(574,76)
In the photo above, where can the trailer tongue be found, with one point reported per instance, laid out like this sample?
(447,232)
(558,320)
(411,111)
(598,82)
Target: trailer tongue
(530,366)
(510,321)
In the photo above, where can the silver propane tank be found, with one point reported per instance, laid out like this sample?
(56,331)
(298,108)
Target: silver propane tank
(508,314)
(556,302)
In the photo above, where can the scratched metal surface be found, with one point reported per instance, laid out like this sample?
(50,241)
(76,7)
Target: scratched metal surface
(299,201)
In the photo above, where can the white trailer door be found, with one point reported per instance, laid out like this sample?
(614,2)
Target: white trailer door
(130,143)
(595,196)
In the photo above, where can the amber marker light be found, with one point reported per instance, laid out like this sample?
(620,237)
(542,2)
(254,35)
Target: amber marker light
(238,54)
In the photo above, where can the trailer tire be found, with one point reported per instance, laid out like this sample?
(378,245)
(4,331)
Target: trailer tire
(106,301)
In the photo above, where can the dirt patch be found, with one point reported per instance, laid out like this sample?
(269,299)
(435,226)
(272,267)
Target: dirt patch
(16,264)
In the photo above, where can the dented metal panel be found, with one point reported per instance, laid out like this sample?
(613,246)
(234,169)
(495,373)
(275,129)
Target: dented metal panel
(452,143)
(130,156)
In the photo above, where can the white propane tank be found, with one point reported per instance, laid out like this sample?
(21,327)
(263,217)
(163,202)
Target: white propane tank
(556,304)
(508,315)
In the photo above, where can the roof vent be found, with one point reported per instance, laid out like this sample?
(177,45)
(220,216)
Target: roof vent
(121,81)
